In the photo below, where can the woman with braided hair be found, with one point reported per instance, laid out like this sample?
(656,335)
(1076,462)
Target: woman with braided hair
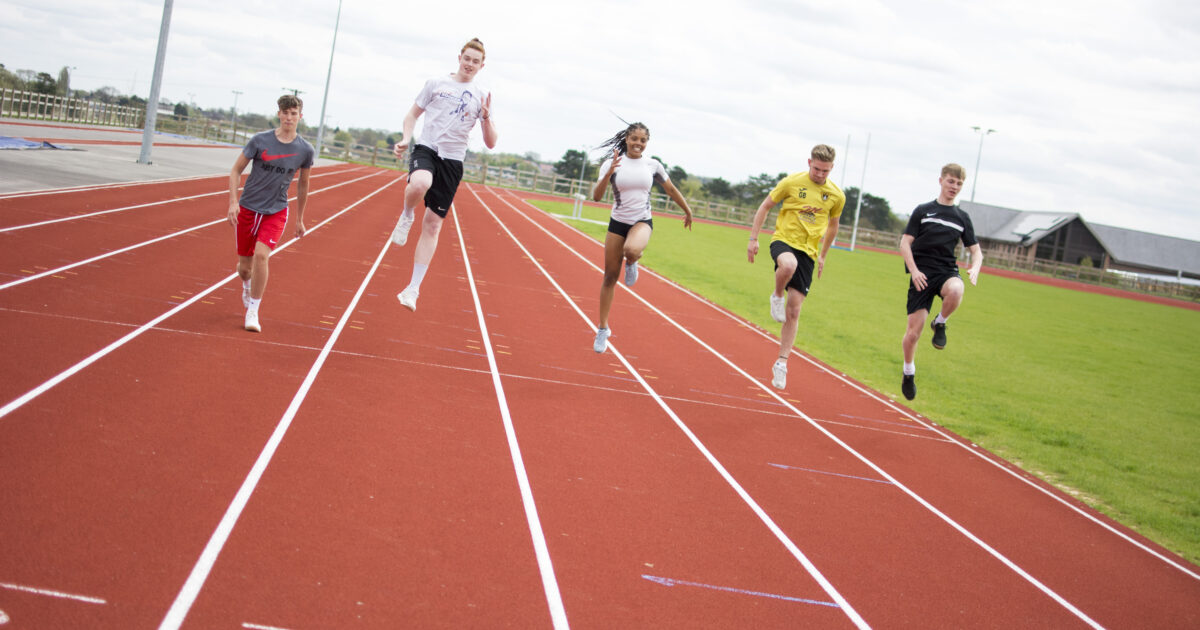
(632,176)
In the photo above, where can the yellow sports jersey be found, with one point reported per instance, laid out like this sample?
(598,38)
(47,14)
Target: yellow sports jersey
(806,211)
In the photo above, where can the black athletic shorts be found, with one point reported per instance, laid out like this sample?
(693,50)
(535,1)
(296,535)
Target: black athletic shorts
(446,176)
(622,229)
(802,278)
(934,280)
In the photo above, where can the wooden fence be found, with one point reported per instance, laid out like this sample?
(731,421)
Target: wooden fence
(37,106)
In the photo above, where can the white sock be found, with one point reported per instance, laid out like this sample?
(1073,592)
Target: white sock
(253,304)
(782,362)
(418,276)
(939,319)
(246,284)
(409,212)
(910,368)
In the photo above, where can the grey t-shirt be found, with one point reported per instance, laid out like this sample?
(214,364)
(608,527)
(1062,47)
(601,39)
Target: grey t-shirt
(274,165)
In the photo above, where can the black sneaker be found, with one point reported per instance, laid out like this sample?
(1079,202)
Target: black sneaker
(939,335)
(909,386)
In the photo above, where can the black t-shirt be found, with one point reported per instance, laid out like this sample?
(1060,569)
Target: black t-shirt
(936,230)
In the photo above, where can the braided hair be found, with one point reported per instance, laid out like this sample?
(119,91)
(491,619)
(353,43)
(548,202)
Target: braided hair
(618,141)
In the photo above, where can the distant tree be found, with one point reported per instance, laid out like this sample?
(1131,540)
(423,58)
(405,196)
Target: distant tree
(876,212)
(43,83)
(10,80)
(718,188)
(181,111)
(571,163)
(752,191)
(532,156)
(391,139)
(64,81)
(677,174)
(343,136)
(106,94)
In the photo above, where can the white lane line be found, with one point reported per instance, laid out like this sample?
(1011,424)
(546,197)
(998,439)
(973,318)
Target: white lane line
(957,440)
(88,215)
(799,555)
(152,241)
(849,449)
(203,567)
(105,351)
(91,187)
(558,613)
(258,626)
(52,593)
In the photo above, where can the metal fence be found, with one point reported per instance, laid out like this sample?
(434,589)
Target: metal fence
(37,106)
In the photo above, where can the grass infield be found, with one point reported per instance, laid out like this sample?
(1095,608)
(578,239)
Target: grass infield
(1096,394)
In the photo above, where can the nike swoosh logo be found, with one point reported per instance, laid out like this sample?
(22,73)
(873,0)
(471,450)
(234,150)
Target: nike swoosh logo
(267,157)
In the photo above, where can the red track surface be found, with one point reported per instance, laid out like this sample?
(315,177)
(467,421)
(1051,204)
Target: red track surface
(380,485)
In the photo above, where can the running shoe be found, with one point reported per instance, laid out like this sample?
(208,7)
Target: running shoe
(779,374)
(631,273)
(408,299)
(246,295)
(400,234)
(939,335)
(601,343)
(909,386)
(779,308)
(252,320)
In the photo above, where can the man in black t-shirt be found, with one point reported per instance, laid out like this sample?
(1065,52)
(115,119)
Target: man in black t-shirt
(927,246)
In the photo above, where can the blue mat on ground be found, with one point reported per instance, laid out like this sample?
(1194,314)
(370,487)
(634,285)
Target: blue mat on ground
(7,142)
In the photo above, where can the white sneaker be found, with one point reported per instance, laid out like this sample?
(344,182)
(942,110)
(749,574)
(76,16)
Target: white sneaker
(400,234)
(779,375)
(246,296)
(779,308)
(408,298)
(252,320)
(631,273)
(601,343)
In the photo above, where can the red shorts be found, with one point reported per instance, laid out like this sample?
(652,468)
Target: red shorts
(253,227)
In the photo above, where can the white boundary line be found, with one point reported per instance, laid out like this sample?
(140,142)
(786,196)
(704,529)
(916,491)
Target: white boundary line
(799,555)
(129,184)
(558,613)
(25,226)
(50,593)
(105,351)
(36,276)
(918,419)
(203,567)
(878,469)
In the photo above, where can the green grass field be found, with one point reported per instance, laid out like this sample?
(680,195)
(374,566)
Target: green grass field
(1097,394)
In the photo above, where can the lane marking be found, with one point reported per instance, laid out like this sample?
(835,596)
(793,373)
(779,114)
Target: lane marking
(256,626)
(826,472)
(203,567)
(799,555)
(891,404)
(156,240)
(52,593)
(849,449)
(558,613)
(673,582)
(105,351)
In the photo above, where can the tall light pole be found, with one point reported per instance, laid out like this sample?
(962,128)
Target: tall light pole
(982,134)
(861,193)
(236,94)
(328,75)
(156,84)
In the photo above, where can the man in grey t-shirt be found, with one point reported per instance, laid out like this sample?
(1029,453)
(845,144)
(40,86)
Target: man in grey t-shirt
(261,214)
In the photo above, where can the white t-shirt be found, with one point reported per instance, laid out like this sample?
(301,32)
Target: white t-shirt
(631,185)
(451,109)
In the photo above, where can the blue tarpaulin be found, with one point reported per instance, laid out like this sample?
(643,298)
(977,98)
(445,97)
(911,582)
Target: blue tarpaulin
(7,142)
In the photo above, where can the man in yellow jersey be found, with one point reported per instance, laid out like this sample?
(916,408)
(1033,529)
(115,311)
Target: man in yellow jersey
(812,206)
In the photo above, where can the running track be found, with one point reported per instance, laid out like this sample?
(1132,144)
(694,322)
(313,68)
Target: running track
(475,464)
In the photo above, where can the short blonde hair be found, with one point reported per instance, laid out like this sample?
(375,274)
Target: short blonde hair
(474,44)
(823,153)
(955,170)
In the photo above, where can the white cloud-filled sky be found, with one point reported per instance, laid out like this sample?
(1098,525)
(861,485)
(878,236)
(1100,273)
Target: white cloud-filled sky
(1095,103)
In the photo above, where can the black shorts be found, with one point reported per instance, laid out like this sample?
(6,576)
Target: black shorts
(802,278)
(622,229)
(446,176)
(934,280)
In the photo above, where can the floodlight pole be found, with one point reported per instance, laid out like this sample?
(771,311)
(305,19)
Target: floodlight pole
(236,94)
(328,76)
(845,154)
(156,85)
(982,134)
(861,193)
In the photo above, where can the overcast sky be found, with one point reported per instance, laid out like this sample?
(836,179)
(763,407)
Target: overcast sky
(1095,103)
